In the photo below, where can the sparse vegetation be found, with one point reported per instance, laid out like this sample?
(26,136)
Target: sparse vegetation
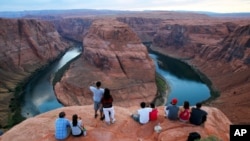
(15,116)
(162,88)
(198,75)
(161,83)
(210,138)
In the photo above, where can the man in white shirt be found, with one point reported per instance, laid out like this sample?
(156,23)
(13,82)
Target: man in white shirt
(142,115)
(97,96)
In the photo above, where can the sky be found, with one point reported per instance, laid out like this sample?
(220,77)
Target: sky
(220,6)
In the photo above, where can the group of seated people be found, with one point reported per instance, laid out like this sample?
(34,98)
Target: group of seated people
(63,127)
(194,115)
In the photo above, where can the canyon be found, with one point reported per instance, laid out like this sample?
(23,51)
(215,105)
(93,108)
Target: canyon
(114,55)
(25,47)
(218,47)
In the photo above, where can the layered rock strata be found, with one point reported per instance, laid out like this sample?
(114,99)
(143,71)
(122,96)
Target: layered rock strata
(73,28)
(114,55)
(208,44)
(221,51)
(41,127)
(25,46)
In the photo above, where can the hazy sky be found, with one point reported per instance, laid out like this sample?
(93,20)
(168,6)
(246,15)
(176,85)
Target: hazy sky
(222,6)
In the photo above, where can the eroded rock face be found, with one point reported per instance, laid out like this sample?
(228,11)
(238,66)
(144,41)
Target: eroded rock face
(73,28)
(219,50)
(41,127)
(145,28)
(25,45)
(114,55)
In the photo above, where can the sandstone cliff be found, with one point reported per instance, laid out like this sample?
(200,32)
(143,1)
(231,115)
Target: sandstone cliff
(114,55)
(25,46)
(73,28)
(211,45)
(41,127)
(219,50)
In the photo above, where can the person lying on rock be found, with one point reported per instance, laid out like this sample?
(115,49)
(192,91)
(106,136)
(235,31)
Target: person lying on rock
(62,127)
(142,115)
(198,116)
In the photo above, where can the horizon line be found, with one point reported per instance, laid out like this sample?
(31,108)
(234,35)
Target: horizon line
(126,11)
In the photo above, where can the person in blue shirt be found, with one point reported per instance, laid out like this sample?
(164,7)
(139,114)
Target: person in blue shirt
(172,110)
(62,127)
(97,96)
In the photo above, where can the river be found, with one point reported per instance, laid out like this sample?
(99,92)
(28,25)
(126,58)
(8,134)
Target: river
(185,84)
(39,96)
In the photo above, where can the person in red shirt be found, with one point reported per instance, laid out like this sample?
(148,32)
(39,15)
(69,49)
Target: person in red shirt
(154,113)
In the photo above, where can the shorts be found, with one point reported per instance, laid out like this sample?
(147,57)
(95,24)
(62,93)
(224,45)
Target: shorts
(97,105)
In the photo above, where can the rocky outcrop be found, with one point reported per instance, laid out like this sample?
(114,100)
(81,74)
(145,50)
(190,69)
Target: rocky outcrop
(25,46)
(41,127)
(217,47)
(144,27)
(237,48)
(114,55)
(199,39)
(221,51)
(73,28)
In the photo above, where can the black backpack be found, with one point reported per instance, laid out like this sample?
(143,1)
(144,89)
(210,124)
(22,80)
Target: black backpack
(193,136)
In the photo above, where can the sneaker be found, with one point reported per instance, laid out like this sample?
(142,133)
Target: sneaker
(113,121)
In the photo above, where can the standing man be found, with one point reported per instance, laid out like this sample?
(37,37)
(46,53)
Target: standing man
(62,127)
(97,96)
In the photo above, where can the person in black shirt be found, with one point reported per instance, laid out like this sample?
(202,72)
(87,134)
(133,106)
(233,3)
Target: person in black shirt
(108,109)
(198,116)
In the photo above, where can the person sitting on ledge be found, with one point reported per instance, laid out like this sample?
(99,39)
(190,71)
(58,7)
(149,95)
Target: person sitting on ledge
(62,127)
(184,112)
(198,116)
(77,127)
(172,110)
(154,113)
(142,115)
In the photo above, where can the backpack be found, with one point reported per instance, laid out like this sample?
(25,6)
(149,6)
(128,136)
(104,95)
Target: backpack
(193,136)
(185,114)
